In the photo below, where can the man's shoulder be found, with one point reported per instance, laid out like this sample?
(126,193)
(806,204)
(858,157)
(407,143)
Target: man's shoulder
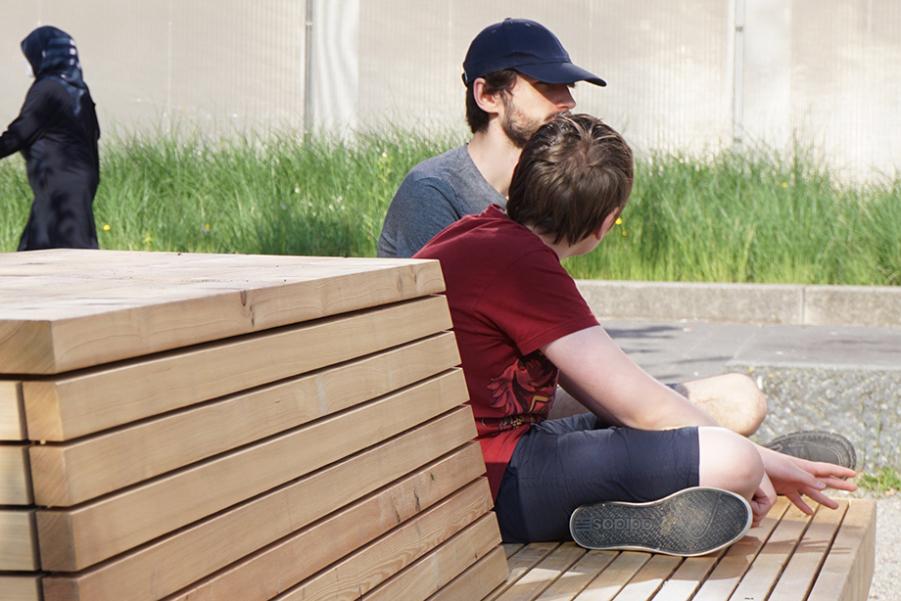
(446,166)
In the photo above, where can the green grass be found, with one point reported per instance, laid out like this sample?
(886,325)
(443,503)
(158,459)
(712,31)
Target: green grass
(884,481)
(734,218)
(751,218)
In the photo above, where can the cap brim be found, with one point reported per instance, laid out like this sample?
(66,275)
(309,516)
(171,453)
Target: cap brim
(559,73)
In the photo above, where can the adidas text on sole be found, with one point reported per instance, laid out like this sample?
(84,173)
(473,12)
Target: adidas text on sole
(694,521)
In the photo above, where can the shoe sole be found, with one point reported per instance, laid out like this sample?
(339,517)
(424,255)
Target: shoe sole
(694,521)
(826,447)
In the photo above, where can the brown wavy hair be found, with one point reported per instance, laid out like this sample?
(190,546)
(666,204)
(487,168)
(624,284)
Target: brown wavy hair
(574,171)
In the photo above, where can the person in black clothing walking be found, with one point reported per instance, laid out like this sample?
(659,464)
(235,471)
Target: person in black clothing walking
(57,132)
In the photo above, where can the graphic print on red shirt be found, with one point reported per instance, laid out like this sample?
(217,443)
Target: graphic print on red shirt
(524,391)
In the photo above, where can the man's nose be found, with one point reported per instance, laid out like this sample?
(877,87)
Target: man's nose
(563,98)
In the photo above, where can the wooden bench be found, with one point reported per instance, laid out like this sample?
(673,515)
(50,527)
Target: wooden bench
(789,557)
(234,428)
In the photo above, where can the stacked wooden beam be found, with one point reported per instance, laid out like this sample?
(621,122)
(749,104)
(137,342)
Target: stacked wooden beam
(218,427)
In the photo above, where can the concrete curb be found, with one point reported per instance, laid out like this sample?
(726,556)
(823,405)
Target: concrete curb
(752,303)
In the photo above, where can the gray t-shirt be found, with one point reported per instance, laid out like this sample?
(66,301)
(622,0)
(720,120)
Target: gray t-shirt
(436,193)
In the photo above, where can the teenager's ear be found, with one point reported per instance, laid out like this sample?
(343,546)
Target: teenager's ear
(487,102)
(608,223)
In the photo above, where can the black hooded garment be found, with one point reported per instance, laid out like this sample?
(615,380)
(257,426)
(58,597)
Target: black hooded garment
(57,133)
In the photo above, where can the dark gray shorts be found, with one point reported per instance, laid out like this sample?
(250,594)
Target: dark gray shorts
(564,463)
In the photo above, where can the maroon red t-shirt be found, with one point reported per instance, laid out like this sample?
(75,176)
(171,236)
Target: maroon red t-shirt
(508,297)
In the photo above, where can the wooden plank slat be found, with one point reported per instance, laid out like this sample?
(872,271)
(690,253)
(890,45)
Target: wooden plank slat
(18,540)
(848,570)
(650,578)
(543,575)
(360,572)
(20,587)
(12,412)
(520,563)
(436,569)
(799,575)
(688,578)
(69,309)
(15,475)
(74,539)
(731,568)
(775,554)
(569,585)
(754,568)
(76,472)
(155,572)
(612,580)
(86,402)
(476,581)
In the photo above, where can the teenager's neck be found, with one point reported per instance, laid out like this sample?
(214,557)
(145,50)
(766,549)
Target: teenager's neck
(494,156)
(562,249)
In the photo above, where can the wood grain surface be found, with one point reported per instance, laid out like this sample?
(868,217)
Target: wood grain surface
(89,401)
(12,411)
(18,540)
(71,473)
(20,587)
(15,475)
(439,567)
(69,309)
(82,536)
(293,523)
(789,556)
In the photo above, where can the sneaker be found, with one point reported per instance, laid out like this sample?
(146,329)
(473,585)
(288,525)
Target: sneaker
(693,521)
(827,447)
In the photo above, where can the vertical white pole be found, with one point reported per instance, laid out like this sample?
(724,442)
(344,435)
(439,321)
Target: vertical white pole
(737,91)
(308,71)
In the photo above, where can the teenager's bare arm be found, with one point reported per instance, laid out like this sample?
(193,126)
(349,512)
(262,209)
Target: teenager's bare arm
(602,377)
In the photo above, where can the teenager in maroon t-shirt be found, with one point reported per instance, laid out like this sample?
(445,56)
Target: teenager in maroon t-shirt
(522,327)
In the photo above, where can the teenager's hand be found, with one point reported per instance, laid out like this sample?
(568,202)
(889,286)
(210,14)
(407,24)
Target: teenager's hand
(763,500)
(795,477)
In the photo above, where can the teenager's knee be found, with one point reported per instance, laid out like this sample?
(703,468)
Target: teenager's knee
(729,461)
(733,400)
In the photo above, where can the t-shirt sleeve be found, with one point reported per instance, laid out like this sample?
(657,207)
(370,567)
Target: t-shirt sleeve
(535,301)
(420,209)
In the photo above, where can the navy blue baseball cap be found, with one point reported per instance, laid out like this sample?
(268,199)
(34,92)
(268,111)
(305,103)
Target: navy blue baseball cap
(527,47)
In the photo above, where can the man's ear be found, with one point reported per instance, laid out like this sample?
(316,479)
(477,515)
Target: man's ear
(489,103)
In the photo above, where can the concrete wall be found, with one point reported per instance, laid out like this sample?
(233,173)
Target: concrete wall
(687,75)
(158,62)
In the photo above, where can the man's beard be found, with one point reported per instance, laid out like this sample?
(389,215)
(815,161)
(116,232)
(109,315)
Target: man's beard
(515,125)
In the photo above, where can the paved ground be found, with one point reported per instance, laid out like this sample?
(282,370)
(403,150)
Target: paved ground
(675,351)
(887,578)
(679,350)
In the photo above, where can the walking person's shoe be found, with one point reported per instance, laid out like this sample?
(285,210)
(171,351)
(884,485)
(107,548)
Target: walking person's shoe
(693,521)
(813,445)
